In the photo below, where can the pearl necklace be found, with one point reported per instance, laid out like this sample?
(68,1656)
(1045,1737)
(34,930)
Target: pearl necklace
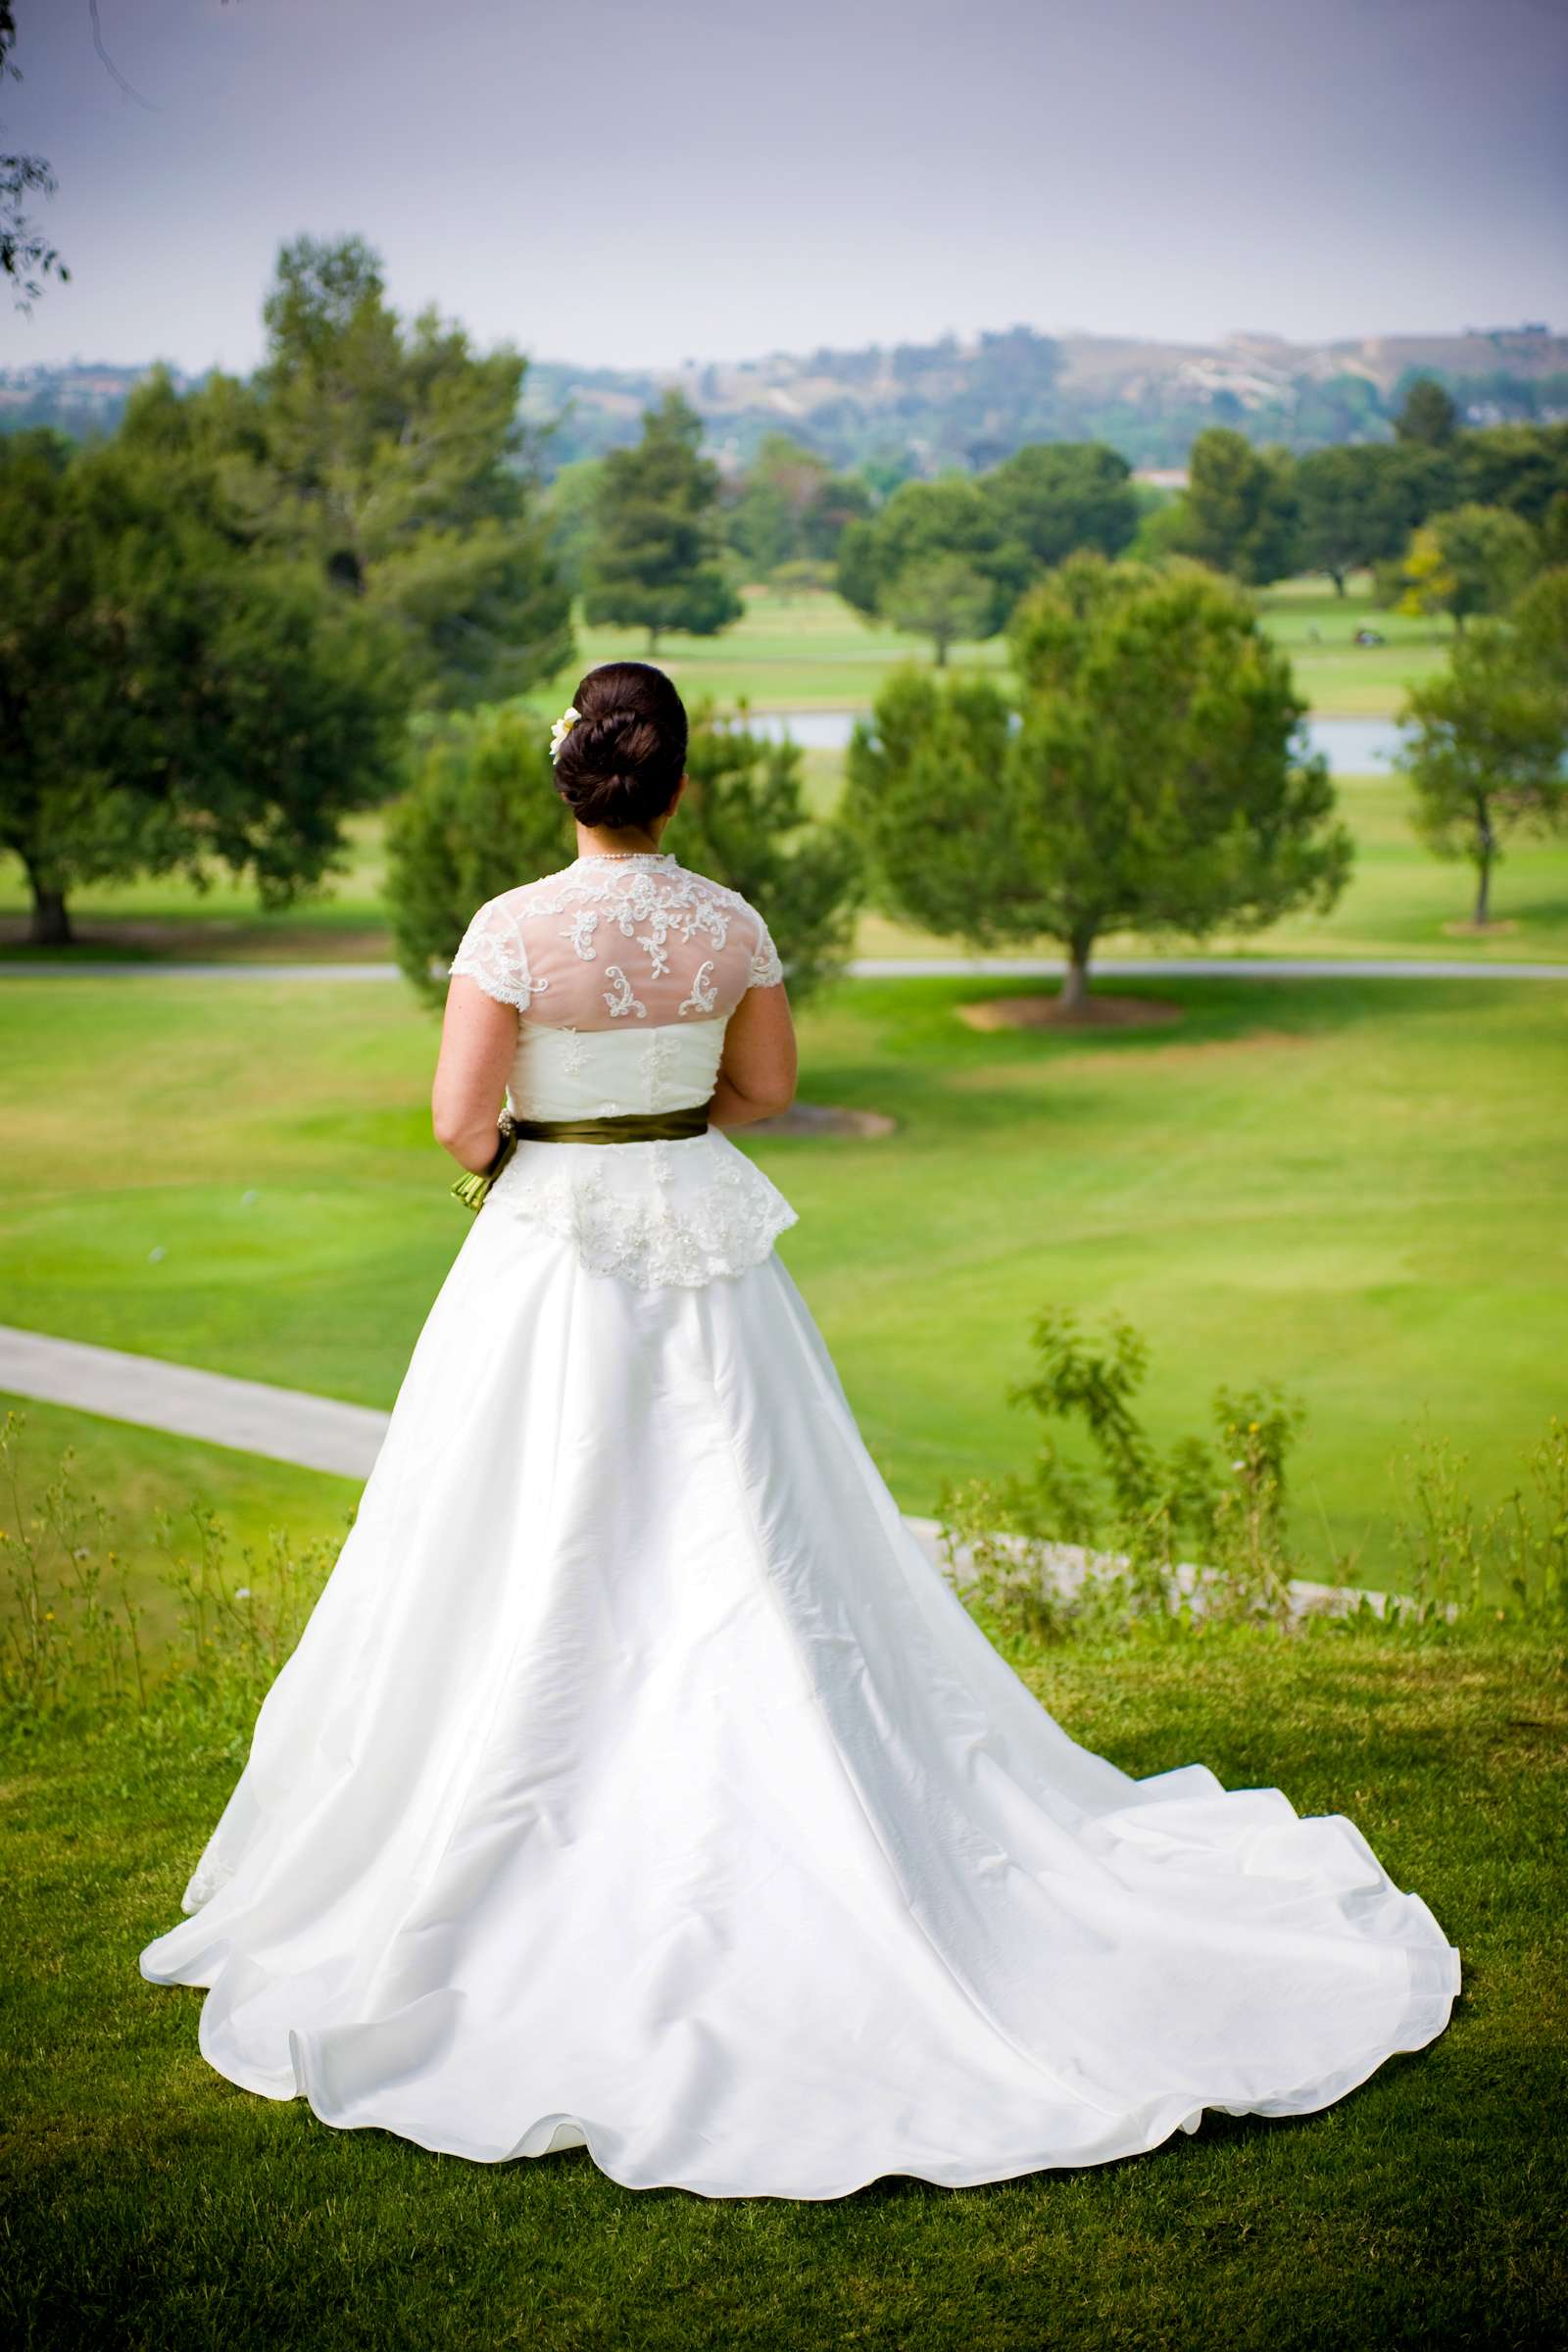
(584,855)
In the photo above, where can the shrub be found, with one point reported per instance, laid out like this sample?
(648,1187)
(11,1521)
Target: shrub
(1200,1533)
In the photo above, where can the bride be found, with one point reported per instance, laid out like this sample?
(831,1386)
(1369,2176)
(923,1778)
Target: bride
(637,1783)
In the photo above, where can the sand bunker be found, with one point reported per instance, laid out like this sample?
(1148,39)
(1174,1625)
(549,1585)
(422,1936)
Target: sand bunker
(823,1118)
(1045,1012)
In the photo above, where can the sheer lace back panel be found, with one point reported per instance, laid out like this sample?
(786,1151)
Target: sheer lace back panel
(612,940)
(625,973)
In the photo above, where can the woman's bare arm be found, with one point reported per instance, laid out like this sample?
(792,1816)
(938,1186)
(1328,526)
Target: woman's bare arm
(478,1043)
(758,1068)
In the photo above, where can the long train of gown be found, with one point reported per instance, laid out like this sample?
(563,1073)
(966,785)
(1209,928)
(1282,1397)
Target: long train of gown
(638,1783)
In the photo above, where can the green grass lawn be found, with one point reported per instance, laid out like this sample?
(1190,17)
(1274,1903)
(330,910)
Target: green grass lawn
(1352,1186)
(151,2203)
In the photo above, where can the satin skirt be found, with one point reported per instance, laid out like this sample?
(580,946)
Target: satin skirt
(637,1783)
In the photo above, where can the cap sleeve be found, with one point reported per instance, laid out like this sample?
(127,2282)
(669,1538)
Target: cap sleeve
(491,954)
(765,969)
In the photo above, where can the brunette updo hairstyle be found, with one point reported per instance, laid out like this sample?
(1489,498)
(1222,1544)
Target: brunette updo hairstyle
(626,752)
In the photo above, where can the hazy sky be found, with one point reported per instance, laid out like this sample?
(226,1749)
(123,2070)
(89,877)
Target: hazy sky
(631,184)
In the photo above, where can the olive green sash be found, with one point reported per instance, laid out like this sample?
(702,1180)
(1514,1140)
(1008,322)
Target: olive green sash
(615,1127)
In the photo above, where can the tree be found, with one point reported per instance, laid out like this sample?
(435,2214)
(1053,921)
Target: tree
(1161,525)
(1520,467)
(169,700)
(27,257)
(1428,415)
(1150,778)
(1055,496)
(1471,559)
(790,507)
(482,815)
(839,500)
(931,560)
(1485,742)
(570,506)
(1358,507)
(858,573)
(1425,479)
(656,558)
(780,498)
(394,462)
(1554,533)
(951,517)
(1240,508)
(1540,626)
(405,462)
(942,598)
(762,528)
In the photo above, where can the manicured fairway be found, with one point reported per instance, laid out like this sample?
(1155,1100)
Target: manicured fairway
(809,652)
(1352,1186)
(813,651)
(1317,629)
(151,2203)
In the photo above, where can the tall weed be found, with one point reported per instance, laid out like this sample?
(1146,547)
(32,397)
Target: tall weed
(1199,1531)
(71,1629)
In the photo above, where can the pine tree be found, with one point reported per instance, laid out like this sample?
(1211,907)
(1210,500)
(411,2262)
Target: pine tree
(656,558)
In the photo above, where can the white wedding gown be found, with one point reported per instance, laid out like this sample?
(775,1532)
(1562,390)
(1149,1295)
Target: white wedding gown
(638,1784)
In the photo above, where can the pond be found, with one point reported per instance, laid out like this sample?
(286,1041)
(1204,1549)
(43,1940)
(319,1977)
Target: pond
(1353,747)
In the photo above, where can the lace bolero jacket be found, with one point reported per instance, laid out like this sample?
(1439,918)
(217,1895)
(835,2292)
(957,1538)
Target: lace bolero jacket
(625,973)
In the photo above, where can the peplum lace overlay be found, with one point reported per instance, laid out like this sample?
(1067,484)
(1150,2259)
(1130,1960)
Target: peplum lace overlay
(623,973)
(654,1213)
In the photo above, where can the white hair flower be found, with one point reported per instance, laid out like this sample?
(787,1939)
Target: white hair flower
(562,728)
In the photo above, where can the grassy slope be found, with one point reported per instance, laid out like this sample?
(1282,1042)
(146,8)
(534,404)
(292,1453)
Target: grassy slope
(142,1474)
(1352,1186)
(152,2203)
